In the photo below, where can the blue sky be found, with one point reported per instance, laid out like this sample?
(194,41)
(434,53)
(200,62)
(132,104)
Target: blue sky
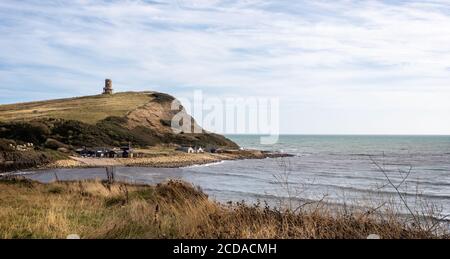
(338,67)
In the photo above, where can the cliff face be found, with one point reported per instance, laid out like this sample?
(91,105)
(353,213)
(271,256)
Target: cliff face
(157,114)
(142,118)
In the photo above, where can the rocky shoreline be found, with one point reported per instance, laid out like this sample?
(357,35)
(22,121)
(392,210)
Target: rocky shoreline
(174,160)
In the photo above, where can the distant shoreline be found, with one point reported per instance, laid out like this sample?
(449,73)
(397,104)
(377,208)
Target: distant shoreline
(158,157)
(175,160)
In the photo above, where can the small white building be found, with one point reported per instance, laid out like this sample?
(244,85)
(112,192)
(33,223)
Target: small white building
(188,150)
(191,150)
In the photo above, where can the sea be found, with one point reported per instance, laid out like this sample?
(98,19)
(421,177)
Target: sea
(411,172)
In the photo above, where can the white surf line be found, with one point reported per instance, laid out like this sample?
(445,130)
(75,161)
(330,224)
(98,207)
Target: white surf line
(205,165)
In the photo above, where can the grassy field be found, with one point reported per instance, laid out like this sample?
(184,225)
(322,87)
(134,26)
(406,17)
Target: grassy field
(93,209)
(88,109)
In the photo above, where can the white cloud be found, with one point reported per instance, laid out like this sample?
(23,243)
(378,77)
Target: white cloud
(356,60)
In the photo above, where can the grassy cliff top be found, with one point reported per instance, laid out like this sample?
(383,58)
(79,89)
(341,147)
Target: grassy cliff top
(87,109)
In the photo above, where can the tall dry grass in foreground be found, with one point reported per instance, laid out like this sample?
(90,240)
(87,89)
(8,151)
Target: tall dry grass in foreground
(94,209)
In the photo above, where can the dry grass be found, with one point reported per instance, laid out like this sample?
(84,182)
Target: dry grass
(95,209)
(88,109)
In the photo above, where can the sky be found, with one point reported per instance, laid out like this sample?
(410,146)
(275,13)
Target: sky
(337,67)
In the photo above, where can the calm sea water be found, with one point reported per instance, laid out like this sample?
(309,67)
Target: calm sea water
(337,168)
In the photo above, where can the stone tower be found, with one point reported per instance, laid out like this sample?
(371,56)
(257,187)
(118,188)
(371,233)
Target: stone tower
(108,87)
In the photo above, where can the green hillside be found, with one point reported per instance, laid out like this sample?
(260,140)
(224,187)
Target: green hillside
(143,118)
(88,109)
